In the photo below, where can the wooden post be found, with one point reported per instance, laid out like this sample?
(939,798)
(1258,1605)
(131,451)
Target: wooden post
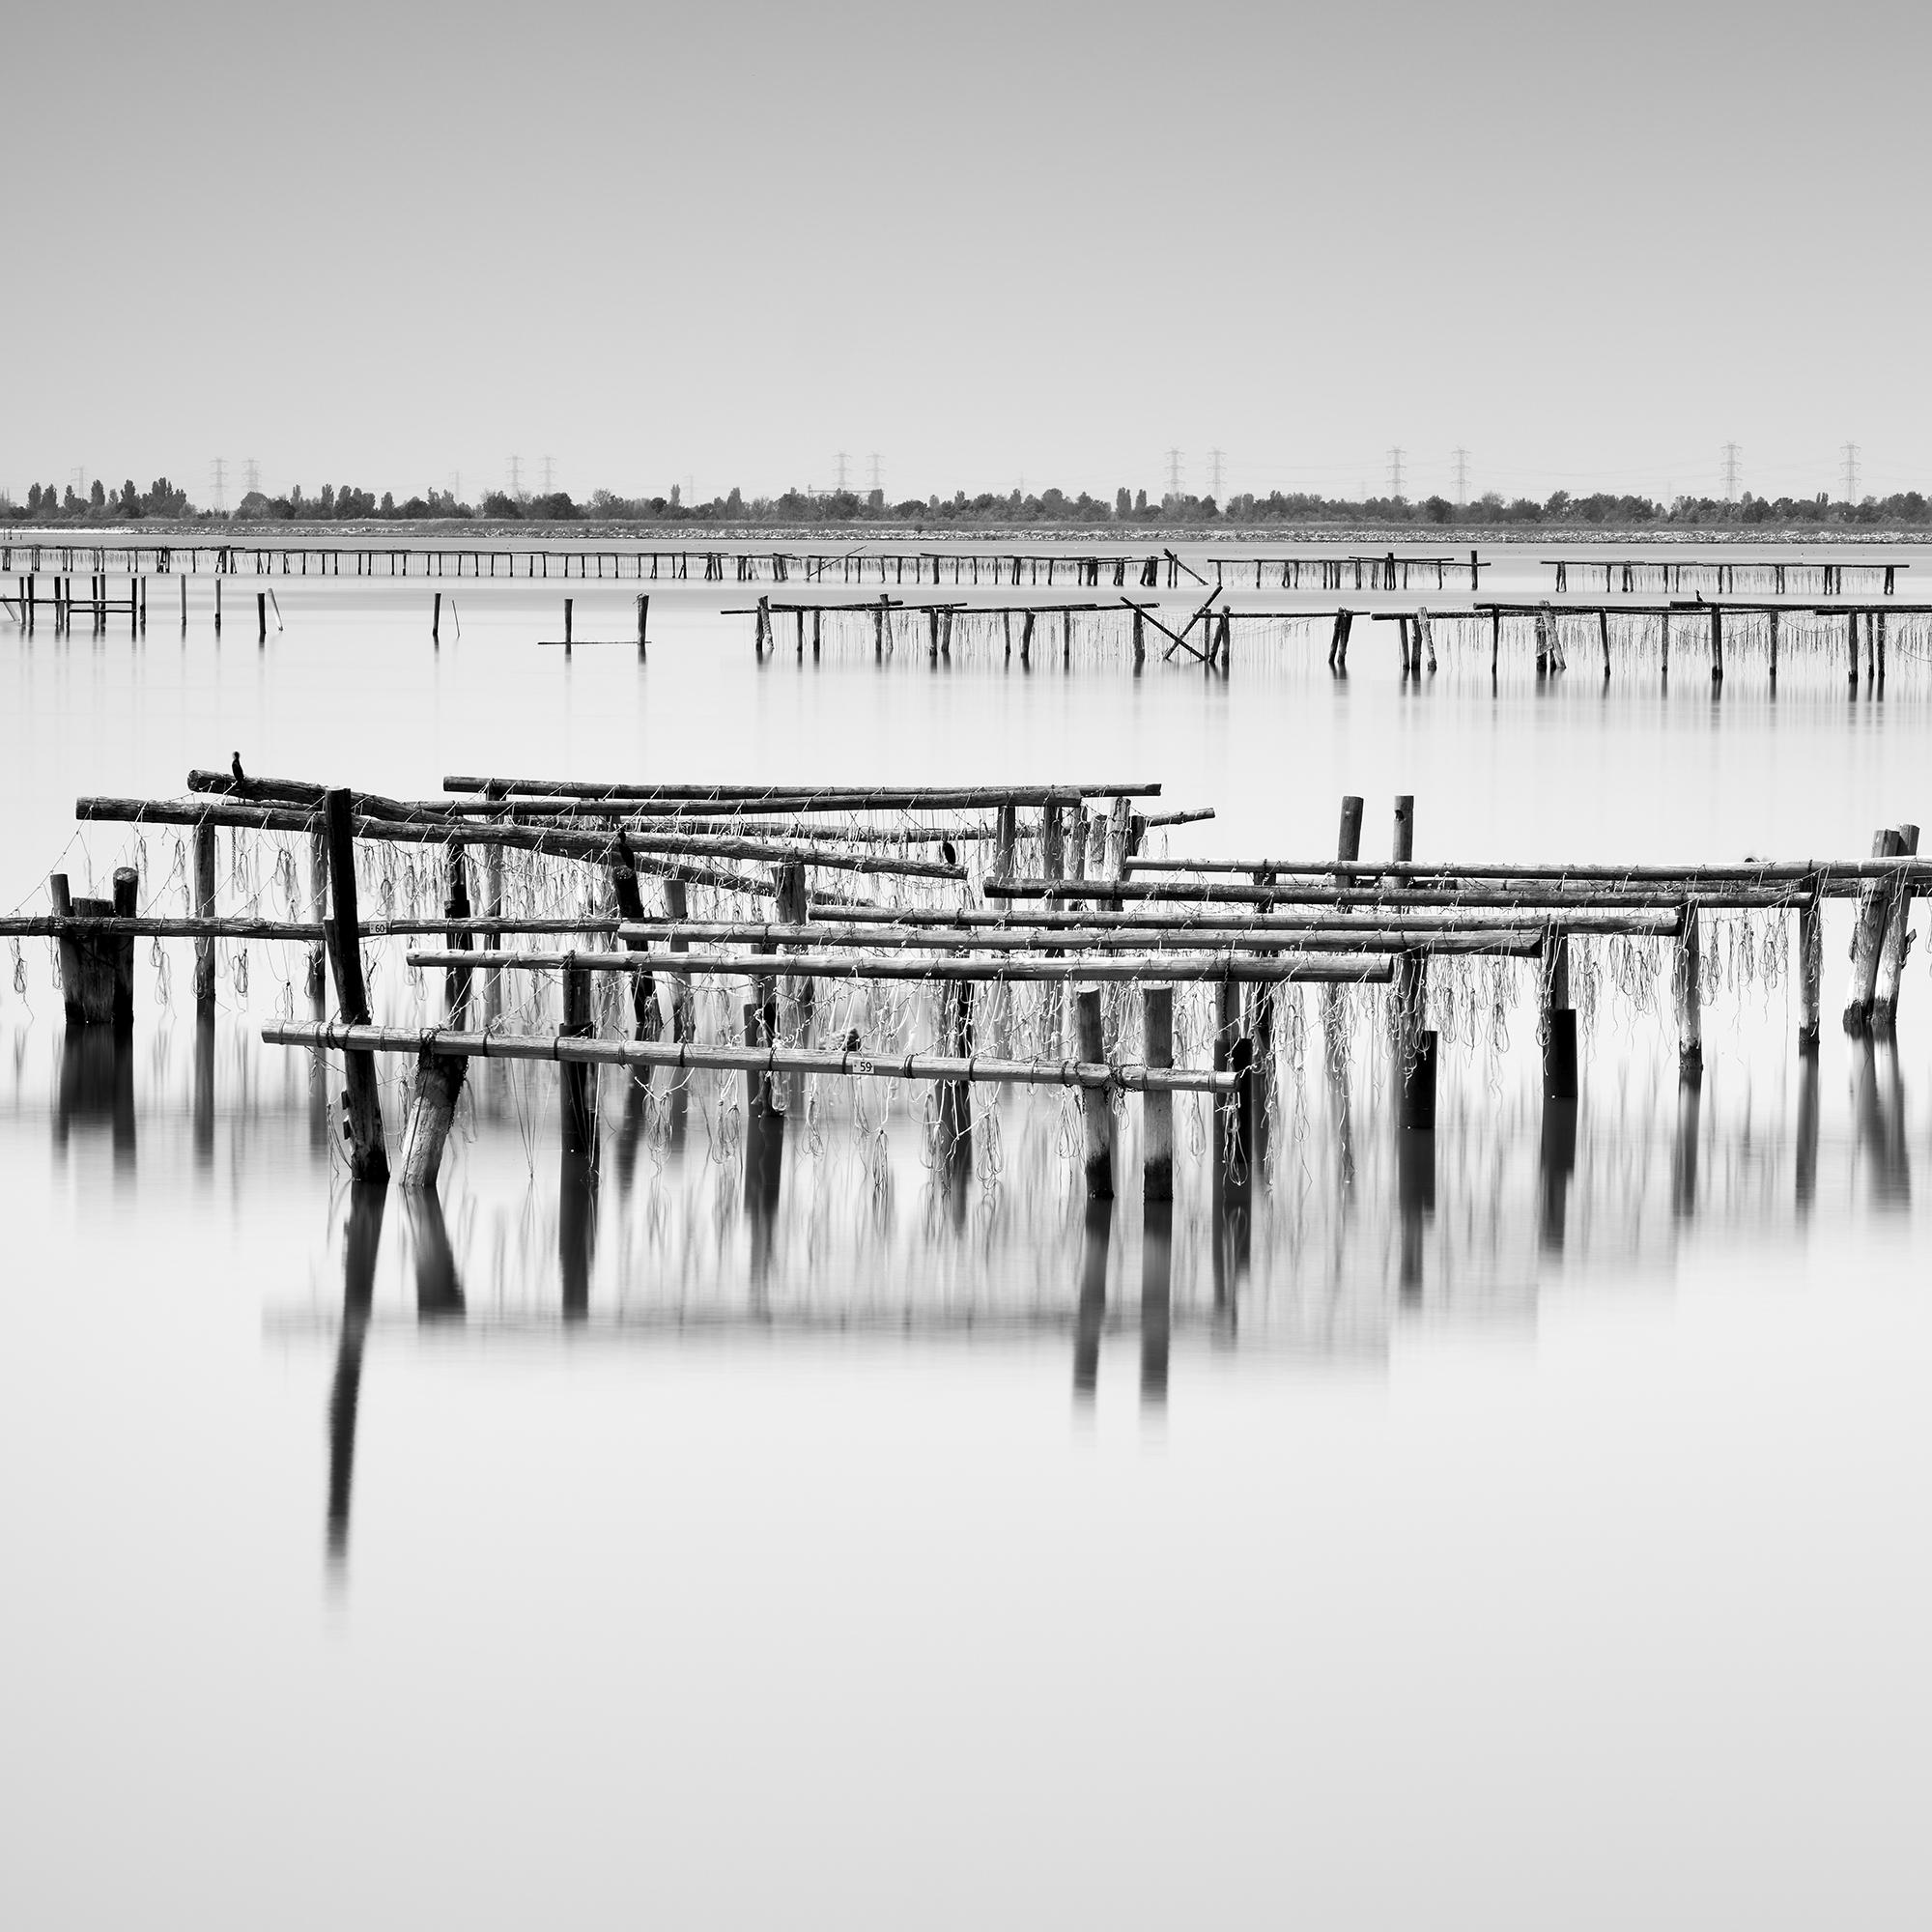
(1348,842)
(1810,968)
(1096,1104)
(1686,994)
(361,1103)
(793,905)
(644,989)
(1774,647)
(1559,1017)
(644,624)
(261,616)
(955,1042)
(1157,1108)
(1875,907)
(218,611)
(1897,937)
(1716,645)
(683,1006)
(456,981)
(577,1082)
(435,620)
(1852,645)
(567,618)
(1603,634)
(204,908)
(318,899)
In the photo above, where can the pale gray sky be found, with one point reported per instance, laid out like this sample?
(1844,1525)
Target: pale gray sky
(384,243)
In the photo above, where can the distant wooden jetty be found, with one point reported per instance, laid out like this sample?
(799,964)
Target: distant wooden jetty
(1826,577)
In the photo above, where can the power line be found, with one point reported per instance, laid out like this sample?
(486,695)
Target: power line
(1214,473)
(1850,452)
(843,459)
(1395,471)
(1731,455)
(1462,457)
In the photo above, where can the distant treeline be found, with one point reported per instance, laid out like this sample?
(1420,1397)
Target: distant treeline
(1128,509)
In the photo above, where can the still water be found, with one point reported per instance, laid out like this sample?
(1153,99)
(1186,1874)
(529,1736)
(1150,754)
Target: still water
(1522,1531)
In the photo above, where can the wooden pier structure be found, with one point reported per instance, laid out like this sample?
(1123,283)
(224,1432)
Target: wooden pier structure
(1054,954)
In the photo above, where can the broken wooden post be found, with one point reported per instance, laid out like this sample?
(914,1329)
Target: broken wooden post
(1349,842)
(1095,1102)
(1897,936)
(127,904)
(644,624)
(1157,1108)
(1687,993)
(1875,905)
(204,908)
(361,1103)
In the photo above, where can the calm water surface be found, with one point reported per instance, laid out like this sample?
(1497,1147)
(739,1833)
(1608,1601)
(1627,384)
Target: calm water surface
(1519,1532)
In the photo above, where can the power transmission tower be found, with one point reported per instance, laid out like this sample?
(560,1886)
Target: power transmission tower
(1214,457)
(515,475)
(253,470)
(1395,472)
(1731,455)
(1850,452)
(1462,457)
(1173,473)
(219,470)
(456,486)
(548,464)
(875,461)
(841,458)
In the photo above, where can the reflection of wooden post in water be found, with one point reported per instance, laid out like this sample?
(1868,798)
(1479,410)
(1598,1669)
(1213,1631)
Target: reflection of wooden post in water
(1157,1299)
(439,1290)
(1556,1162)
(204,1090)
(1878,1118)
(97,1083)
(1806,1187)
(361,1242)
(1091,1313)
(576,1231)
(1684,1148)
(1415,1203)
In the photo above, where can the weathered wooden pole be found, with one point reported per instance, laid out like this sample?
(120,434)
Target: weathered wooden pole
(683,1003)
(1810,967)
(1559,1018)
(1774,647)
(361,1101)
(1874,915)
(1897,937)
(204,908)
(1157,1108)
(644,624)
(1095,1102)
(567,626)
(577,1082)
(261,616)
(1717,643)
(1687,994)
(644,1013)
(1349,840)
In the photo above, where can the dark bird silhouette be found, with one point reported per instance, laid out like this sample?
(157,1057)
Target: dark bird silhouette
(234,766)
(947,852)
(852,1040)
(624,848)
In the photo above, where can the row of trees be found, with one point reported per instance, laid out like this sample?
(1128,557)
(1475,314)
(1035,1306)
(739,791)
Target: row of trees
(45,504)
